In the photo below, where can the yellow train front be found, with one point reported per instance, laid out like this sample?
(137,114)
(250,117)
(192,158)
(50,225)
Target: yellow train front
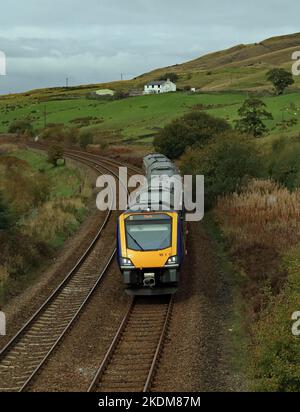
(150,250)
(151,234)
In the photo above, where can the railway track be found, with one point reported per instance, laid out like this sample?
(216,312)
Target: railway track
(110,162)
(131,361)
(25,354)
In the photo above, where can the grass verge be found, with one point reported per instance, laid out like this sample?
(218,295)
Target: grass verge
(48,206)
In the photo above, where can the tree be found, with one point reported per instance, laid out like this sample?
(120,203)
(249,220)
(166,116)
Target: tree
(281,79)
(21,127)
(54,133)
(226,163)
(191,129)
(71,136)
(55,153)
(171,140)
(172,76)
(252,113)
(285,164)
(85,138)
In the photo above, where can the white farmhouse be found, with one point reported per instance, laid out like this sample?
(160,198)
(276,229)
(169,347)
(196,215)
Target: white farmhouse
(160,86)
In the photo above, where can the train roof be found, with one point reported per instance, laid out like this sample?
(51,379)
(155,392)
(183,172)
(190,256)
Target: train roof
(159,166)
(153,161)
(162,163)
(162,182)
(169,172)
(149,159)
(161,194)
(150,208)
(154,155)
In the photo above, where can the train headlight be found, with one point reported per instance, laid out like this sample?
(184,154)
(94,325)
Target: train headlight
(172,261)
(126,262)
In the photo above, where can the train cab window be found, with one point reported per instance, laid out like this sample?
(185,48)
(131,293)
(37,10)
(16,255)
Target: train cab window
(148,232)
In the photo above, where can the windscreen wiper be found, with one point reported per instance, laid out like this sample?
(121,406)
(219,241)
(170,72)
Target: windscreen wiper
(136,242)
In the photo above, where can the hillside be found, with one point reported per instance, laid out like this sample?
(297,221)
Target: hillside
(224,79)
(242,67)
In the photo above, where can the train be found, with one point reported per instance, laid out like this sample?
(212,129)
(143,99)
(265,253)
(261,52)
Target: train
(151,234)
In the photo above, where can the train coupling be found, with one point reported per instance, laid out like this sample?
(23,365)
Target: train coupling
(149,280)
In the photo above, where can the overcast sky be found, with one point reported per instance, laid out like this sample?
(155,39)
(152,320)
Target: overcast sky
(92,41)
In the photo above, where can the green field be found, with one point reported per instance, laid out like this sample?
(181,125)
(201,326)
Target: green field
(65,181)
(139,118)
(223,80)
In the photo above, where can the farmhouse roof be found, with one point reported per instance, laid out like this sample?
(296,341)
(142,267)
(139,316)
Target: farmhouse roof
(156,83)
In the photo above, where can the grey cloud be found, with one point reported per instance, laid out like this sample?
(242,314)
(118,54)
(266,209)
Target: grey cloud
(95,40)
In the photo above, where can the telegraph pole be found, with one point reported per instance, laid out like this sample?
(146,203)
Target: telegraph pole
(67,82)
(45,116)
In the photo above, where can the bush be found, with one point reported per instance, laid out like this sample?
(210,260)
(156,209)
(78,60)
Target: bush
(71,136)
(285,164)
(172,76)
(19,184)
(261,225)
(85,138)
(226,163)
(55,153)
(171,141)
(276,365)
(21,127)
(119,95)
(193,128)
(41,189)
(7,218)
(261,214)
(53,134)
(60,134)
(18,254)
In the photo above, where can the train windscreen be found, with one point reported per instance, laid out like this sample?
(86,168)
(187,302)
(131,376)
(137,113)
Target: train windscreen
(148,232)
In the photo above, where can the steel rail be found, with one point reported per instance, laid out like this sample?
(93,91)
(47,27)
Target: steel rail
(10,345)
(119,337)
